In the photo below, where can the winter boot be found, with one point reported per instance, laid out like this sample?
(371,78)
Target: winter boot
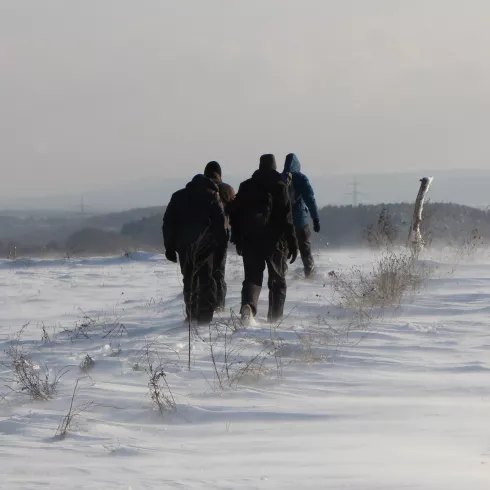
(310,272)
(246,314)
(275,313)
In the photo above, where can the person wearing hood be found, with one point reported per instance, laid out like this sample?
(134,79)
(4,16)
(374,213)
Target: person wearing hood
(226,194)
(303,203)
(193,230)
(263,232)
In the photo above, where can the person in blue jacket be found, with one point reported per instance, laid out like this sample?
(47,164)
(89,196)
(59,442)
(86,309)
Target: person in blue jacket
(303,203)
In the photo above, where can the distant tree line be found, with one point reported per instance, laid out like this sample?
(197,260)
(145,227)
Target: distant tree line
(342,226)
(443,223)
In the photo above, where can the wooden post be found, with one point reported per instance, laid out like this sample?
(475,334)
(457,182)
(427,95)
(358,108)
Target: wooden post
(415,240)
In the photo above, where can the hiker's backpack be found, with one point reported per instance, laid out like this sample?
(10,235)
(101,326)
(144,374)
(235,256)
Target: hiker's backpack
(258,214)
(287,178)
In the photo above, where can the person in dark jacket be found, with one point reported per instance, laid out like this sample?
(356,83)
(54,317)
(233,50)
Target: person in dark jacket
(227,194)
(194,229)
(263,231)
(303,203)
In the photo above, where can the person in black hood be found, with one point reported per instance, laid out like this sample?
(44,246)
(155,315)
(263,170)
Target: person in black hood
(194,228)
(264,234)
(226,194)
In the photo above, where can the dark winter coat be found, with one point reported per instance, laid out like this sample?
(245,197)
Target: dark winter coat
(227,195)
(280,228)
(301,193)
(195,216)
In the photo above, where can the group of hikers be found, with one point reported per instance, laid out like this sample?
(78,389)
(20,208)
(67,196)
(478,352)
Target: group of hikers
(268,222)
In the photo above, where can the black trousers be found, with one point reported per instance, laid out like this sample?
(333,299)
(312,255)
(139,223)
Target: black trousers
(254,263)
(303,234)
(219,267)
(199,284)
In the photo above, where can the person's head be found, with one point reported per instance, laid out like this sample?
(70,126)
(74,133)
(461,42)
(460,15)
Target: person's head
(292,163)
(268,162)
(213,170)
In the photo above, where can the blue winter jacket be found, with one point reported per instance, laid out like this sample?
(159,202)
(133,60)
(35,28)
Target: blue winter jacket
(301,193)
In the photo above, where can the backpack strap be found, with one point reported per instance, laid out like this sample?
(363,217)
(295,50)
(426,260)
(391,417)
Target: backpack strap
(288,179)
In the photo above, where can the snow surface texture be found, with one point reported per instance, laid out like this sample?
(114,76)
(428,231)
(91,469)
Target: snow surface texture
(404,407)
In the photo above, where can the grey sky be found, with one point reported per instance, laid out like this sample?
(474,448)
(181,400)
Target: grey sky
(97,92)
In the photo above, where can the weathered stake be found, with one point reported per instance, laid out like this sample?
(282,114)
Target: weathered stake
(415,240)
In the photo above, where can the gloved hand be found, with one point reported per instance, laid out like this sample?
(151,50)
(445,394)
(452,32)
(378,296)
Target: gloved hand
(239,250)
(293,253)
(316,226)
(171,255)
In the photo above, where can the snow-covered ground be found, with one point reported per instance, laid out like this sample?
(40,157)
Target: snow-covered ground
(404,407)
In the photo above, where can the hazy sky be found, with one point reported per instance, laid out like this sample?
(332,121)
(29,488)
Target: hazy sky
(96,92)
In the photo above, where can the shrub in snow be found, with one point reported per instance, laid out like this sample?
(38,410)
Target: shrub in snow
(87,364)
(384,233)
(29,378)
(158,389)
(238,357)
(69,423)
(391,278)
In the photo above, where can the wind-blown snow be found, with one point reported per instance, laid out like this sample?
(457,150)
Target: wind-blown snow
(89,261)
(405,406)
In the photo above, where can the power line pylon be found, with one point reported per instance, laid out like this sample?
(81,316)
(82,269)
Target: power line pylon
(355,193)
